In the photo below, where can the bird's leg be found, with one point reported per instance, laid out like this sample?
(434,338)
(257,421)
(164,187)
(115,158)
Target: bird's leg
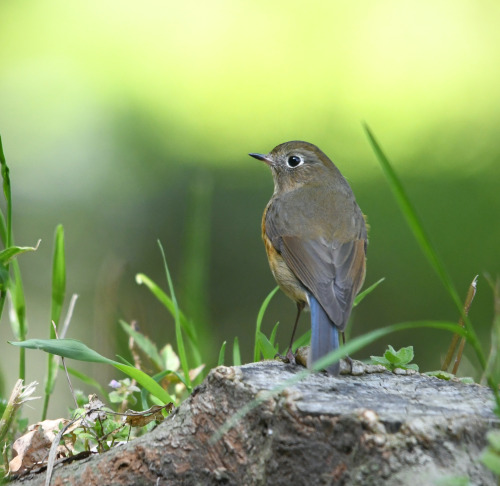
(347,357)
(290,356)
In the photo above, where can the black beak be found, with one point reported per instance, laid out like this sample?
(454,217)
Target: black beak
(262,157)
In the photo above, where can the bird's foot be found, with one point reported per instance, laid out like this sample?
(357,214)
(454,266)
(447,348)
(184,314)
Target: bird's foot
(288,358)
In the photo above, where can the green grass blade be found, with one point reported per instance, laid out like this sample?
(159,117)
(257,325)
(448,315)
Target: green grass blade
(187,326)
(58,292)
(196,257)
(87,380)
(73,349)
(423,240)
(266,347)
(123,360)
(222,352)
(367,291)
(412,218)
(6,222)
(272,338)
(260,316)
(146,382)
(11,252)
(159,376)
(18,317)
(4,281)
(67,348)
(58,277)
(303,340)
(144,343)
(18,320)
(236,353)
(8,199)
(178,331)
(3,229)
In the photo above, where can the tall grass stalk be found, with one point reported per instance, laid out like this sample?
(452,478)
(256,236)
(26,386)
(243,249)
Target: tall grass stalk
(260,316)
(178,331)
(196,257)
(6,222)
(58,293)
(429,251)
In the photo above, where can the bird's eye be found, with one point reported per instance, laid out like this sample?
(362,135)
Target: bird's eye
(294,161)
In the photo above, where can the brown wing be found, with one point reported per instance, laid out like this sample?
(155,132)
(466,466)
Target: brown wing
(333,274)
(332,271)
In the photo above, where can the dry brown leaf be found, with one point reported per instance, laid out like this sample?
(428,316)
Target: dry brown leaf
(139,419)
(32,448)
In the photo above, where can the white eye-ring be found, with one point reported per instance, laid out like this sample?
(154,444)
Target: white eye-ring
(294,161)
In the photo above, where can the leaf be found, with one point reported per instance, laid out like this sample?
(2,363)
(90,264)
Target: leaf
(236,353)
(303,340)
(18,316)
(67,348)
(391,355)
(170,359)
(145,381)
(411,217)
(4,278)
(405,355)
(144,343)
(9,253)
(442,375)
(178,332)
(58,292)
(410,366)
(222,352)
(362,341)
(266,347)
(6,226)
(3,226)
(260,316)
(380,360)
(176,378)
(426,246)
(58,277)
(491,460)
(272,338)
(87,380)
(167,302)
(367,291)
(73,349)
(494,439)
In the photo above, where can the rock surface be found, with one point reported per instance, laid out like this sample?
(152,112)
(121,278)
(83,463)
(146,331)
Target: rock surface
(369,429)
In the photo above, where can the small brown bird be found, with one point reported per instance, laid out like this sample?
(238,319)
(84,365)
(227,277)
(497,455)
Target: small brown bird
(315,238)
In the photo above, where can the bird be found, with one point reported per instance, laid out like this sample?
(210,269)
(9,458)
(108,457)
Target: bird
(315,236)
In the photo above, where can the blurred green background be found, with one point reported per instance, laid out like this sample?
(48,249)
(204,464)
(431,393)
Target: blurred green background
(131,121)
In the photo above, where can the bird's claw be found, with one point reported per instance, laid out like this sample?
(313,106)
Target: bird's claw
(288,358)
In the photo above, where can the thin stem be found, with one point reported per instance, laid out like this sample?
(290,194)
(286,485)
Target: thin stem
(454,340)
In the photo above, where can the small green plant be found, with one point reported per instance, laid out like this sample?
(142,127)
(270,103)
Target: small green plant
(490,456)
(123,391)
(165,363)
(444,375)
(98,428)
(393,359)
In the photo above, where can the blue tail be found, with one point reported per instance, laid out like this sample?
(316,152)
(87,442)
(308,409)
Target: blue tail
(324,336)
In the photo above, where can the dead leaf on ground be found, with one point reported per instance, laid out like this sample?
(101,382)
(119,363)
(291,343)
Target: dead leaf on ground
(32,448)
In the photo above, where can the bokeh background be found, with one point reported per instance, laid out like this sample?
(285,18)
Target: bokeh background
(129,122)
